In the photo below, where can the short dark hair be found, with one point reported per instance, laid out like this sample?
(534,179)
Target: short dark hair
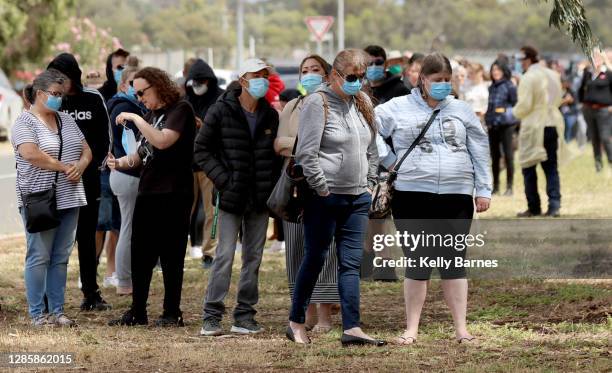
(530,53)
(120,53)
(376,51)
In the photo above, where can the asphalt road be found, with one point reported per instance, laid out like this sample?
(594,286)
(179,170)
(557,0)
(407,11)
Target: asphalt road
(10,222)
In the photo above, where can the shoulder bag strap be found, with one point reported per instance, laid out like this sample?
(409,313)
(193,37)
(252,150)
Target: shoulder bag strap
(416,141)
(61,146)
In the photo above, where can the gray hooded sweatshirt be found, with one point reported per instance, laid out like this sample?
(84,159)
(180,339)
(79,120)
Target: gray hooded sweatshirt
(340,155)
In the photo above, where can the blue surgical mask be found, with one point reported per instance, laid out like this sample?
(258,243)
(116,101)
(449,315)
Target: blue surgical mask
(117,74)
(351,88)
(375,72)
(518,67)
(131,92)
(258,87)
(439,90)
(53,103)
(311,82)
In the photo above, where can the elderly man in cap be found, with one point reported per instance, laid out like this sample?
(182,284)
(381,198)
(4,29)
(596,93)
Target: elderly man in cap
(235,149)
(539,98)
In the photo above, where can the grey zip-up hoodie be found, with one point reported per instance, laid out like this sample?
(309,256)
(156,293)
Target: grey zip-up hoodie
(339,156)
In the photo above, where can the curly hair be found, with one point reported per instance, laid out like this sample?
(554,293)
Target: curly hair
(166,89)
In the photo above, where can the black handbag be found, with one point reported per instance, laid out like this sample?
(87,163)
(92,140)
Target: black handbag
(40,208)
(288,196)
(383,191)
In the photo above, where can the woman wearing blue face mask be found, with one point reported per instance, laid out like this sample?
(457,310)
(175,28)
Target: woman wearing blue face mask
(124,183)
(437,185)
(314,72)
(50,150)
(337,151)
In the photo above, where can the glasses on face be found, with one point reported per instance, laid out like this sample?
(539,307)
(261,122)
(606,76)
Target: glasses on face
(55,93)
(352,77)
(377,62)
(141,92)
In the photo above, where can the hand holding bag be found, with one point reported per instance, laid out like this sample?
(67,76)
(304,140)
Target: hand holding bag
(40,208)
(383,191)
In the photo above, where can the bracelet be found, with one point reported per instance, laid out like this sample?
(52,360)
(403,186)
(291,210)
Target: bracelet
(130,164)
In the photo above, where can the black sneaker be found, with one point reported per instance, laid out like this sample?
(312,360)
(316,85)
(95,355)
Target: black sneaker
(95,303)
(129,319)
(211,327)
(167,321)
(248,326)
(207,262)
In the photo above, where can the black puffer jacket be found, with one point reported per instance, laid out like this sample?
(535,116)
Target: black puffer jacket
(241,167)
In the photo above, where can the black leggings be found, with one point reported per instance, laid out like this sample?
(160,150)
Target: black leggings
(502,136)
(159,231)
(433,214)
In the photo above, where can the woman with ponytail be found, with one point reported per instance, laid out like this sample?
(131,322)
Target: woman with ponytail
(337,151)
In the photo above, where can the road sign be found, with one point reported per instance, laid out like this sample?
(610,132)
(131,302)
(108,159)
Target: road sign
(319,25)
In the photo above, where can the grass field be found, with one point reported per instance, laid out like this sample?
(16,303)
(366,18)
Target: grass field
(522,325)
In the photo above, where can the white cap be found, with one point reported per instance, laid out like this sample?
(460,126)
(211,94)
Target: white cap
(394,54)
(252,65)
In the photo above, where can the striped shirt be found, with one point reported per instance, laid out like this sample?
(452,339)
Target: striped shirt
(29,129)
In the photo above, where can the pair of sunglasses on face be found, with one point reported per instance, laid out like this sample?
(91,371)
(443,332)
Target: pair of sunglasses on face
(140,92)
(377,62)
(351,78)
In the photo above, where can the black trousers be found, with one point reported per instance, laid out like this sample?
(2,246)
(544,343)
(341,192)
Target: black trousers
(433,215)
(86,233)
(159,231)
(500,137)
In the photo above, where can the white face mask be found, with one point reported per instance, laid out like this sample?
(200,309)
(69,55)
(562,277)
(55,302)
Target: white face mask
(200,89)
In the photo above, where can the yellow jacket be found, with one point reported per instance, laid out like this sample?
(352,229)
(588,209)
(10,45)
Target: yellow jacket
(539,97)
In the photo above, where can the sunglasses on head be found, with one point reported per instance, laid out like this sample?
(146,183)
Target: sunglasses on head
(377,62)
(352,77)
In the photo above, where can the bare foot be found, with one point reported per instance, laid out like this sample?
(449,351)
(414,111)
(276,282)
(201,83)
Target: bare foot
(299,333)
(406,339)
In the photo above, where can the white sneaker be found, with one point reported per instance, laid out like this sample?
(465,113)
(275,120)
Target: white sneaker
(110,282)
(62,320)
(195,252)
(277,247)
(79,283)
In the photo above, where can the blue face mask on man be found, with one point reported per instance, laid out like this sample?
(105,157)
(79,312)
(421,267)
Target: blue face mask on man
(311,82)
(53,102)
(258,87)
(117,74)
(375,72)
(439,90)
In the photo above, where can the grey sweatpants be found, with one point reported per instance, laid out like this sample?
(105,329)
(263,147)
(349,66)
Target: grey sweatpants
(254,226)
(125,187)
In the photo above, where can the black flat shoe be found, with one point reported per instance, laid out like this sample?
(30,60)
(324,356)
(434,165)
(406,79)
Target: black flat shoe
(349,340)
(289,334)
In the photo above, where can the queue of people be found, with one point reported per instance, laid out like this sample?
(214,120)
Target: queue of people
(170,150)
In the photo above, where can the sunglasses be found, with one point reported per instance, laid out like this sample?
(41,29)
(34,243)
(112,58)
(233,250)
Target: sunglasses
(352,77)
(377,62)
(120,67)
(141,92)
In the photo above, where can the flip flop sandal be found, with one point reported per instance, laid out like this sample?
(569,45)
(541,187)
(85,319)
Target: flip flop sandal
(466,340)
(321,329)
(405,341)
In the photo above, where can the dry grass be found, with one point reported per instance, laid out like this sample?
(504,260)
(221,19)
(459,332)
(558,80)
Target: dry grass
(522,325)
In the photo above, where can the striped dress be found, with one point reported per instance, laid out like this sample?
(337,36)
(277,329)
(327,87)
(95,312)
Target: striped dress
(29,129)
(326,289)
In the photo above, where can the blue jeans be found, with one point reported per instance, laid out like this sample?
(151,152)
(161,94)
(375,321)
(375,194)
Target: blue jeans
(345,218)
(550,167)
(46,263)
(570,123)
